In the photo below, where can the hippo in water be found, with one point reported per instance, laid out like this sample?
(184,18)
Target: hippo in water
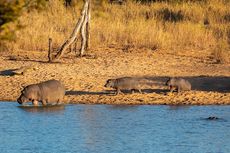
(51,91)
(212,118)
(128,83)
(178,84)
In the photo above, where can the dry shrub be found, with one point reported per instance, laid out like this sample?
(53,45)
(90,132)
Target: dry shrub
(221,53)
(57,22)
(169,15)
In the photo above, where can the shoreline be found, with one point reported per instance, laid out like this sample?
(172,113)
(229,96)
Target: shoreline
(125,104)
(186,98)
(84,78)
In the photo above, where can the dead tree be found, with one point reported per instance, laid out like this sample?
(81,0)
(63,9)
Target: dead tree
(68,3)
(50,50)
(88,27)
(82,25)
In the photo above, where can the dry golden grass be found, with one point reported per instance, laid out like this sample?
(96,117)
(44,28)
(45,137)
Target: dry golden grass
(183,26)
(221,52)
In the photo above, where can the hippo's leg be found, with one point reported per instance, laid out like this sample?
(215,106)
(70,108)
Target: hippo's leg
(179,89)
(133,91)
(118,91)
(35,102)
(139,91)
(59,102)
(44,102)
(171,88)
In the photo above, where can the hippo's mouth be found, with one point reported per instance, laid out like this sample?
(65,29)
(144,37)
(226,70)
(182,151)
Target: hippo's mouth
(106,86)
(19,101)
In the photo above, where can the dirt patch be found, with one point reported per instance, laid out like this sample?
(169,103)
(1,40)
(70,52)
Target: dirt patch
(84,78)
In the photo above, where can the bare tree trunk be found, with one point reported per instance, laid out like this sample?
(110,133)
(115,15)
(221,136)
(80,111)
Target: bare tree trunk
(83,35)
(75,47)
(88,26)
(70,48)
(73,36)
(83,25)
(50,50)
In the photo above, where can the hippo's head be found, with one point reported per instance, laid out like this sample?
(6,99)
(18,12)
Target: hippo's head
(168,82)
(27,95)
(22,99)
(171,82)
(110,83)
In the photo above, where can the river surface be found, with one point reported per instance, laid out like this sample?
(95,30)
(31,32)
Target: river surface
(114,129)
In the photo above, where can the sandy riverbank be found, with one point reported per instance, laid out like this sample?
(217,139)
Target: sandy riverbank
(84,78)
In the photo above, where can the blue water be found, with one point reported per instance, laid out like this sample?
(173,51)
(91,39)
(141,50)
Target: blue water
(114,129)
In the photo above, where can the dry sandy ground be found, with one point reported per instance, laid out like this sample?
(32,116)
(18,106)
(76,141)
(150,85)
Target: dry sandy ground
(84,78)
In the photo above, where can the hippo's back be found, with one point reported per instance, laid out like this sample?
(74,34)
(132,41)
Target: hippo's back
(52,90)
(127,82)
(185,84)
(51,84)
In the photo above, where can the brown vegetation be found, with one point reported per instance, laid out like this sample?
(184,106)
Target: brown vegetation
(159,25)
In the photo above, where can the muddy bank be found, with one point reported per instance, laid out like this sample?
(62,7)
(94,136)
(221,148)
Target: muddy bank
(84,78)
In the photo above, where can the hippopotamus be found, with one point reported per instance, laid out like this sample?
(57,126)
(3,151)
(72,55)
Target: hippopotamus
(125,83)
(48,92)
(178,84)
(212,118)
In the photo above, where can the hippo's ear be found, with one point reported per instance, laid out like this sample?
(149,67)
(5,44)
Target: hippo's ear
(23,86)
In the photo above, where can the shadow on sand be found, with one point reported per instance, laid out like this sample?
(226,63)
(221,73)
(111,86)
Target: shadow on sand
(67,61)
(199,83)
(202,83)
(26,60)
(112,92)
(87,93)
(9,72)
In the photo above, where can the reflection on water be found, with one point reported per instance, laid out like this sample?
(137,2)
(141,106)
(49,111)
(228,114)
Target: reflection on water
(114,128)
(36,109)
(123,107)
(178,107)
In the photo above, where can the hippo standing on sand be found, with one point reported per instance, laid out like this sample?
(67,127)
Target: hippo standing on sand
(51,91)
(178,84)
(128,83)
